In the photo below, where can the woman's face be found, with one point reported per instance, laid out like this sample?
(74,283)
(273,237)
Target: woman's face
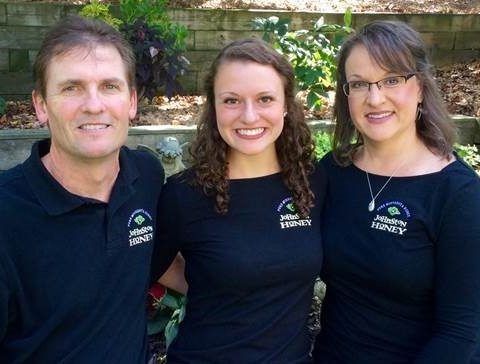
(250,106)
(385,115)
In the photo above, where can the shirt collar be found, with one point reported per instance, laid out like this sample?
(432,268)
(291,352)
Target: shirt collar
(53,197)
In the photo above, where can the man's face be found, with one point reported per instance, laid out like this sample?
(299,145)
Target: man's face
(88,104)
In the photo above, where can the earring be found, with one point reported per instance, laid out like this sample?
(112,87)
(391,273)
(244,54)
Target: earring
(419,111)
(285,114)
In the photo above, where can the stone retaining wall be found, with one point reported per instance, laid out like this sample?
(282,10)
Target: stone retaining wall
(450,38)
(15,144)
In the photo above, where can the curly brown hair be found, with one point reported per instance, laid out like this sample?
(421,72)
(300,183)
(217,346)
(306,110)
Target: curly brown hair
(396,47)
(294,146)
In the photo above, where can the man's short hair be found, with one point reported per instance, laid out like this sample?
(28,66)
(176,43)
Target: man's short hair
(76,32)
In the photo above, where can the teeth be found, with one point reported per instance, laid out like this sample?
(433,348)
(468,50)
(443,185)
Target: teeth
(250,132)
(379,116)
(93,126)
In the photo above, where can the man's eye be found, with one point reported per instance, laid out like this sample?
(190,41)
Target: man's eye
(358,85)
(71,88)
(111,86)
(392,81)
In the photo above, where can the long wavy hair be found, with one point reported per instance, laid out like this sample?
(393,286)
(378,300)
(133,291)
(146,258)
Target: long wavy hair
(294,146)
(396,47)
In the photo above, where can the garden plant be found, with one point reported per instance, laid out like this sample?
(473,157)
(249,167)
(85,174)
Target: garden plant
(312,52)
(159,45)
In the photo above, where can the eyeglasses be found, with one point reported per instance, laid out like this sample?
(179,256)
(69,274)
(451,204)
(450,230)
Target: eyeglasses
(361,88)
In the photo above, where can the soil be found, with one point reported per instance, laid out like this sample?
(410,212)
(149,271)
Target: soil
(459,83)
(357,6)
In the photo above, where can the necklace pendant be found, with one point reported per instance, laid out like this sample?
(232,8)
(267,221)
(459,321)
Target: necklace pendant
(371,205)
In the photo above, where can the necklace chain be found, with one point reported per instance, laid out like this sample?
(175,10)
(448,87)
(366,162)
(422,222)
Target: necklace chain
(371,204)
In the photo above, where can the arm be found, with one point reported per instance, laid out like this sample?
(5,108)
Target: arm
(174,277)
(167,240)
(4,305)
(456,327)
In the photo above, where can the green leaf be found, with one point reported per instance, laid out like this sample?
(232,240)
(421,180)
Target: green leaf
(347,18)
(171,331)
(154,326)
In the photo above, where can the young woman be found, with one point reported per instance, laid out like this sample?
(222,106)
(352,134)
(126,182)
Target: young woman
(246,217)
(401,237)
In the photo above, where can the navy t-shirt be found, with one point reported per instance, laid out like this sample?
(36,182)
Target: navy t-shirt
(403,281)
(250,272)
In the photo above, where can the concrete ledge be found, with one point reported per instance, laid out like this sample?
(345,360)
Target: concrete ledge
(15,144)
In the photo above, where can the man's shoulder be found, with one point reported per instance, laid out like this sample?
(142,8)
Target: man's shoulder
(11,177)
(14,191)
(145,162)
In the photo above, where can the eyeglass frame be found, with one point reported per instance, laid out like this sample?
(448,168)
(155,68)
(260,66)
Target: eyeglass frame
(346,85)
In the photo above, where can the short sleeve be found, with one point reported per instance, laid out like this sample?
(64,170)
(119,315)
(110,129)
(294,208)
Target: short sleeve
(167,236)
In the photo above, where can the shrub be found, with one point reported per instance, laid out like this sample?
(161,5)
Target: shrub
(158,43)
(323,143)
(312,52)
(469,153)
(100,11)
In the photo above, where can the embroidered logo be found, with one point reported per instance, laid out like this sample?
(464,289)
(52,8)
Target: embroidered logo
(289,217)
(391,217)
(140,227)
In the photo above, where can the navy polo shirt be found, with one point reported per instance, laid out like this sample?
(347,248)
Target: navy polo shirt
(74,271)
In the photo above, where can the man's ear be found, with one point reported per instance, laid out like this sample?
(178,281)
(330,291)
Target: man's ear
(40,106)
(133,103)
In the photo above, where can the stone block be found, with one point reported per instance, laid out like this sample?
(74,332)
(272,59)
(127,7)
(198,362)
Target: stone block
(468,129)
(15,83)
(19,61)
(358,20)
(470,22)
(4,60)
(439,39)
(216,19)
(25,14)
(3,13)
(17,37)
(200,60)
(215,40)
(467,40)
(430,23)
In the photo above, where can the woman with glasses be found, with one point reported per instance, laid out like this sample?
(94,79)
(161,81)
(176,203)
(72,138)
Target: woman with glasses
(401,233)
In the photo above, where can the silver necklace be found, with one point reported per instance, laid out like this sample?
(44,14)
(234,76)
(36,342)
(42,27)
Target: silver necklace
(371,204)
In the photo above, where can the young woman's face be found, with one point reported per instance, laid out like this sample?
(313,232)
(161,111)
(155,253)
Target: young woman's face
(381,115)
(250,106)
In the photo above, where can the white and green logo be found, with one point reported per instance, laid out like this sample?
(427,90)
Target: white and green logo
(140,227)
(391,217)
(289,217)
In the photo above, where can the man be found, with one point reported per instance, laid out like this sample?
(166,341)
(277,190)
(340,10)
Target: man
(78,216)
